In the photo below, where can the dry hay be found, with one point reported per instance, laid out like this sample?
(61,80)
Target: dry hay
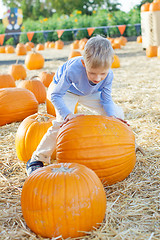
(133,210)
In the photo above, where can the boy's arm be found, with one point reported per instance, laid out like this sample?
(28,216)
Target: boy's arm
(106,98)
(57,95)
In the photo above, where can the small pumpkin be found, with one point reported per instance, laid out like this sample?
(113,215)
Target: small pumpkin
(59,44)
(139,39)
(36,87)
(16,104)
(104,144)
(151,51)
(74,53)
(18,71)
(31,44)
(28,46)
(34,60)
(46,45)
(21,49)
(65,200)
(116,62)
(116,45)
(29,134)
(49,104)
(46,78)
(75,45)
(2,49)
(39,47)
(9,49)
(52,45)
(6,81)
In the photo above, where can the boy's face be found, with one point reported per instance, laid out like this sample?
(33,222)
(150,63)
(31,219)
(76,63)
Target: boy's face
(96,75)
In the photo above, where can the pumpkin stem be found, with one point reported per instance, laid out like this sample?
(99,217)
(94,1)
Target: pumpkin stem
(34,77)
(63,169)
(42,118)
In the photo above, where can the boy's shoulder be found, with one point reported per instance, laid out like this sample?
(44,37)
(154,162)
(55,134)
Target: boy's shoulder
(75,60)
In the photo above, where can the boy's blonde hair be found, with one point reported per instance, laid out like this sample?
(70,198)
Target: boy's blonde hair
(98,52)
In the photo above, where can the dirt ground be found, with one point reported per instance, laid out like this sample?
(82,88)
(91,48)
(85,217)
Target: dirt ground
(133,205)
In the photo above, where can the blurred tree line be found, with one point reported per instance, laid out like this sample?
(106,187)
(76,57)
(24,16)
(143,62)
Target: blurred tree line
(34,9)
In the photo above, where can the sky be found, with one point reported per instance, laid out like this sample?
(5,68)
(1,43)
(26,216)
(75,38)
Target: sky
(126,5)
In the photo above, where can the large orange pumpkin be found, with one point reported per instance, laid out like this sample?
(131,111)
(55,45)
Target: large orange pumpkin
(36,87)
(104,144)
(65,200)
(16,104)
(49,104)
(30,133)
(6,81)
(18,71)
(34,60)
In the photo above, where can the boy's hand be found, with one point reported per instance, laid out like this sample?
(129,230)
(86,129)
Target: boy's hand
(69,117)
(124,121)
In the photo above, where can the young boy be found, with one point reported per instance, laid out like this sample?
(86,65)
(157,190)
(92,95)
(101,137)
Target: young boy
(86,80)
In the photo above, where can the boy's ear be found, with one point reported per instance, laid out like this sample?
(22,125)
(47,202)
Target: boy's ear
(83,63)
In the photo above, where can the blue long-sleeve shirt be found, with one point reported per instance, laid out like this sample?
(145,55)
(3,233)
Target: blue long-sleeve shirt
(72,77)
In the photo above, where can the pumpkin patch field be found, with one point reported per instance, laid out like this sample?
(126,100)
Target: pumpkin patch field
(132,209)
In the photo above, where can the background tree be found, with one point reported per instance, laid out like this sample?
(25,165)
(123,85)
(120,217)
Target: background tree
(35,8)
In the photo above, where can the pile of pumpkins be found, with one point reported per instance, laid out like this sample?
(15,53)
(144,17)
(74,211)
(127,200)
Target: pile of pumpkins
(66,198)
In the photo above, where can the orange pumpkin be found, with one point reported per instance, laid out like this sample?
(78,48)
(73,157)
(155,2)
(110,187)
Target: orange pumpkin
(36,87)
(145,7)
(59,44)
(52,45)
(6,81)
(151,51)
(46,45)
(34,60)
(46,78)
(9,49)
(31,44)
(30,133)
(154,6)
(74,53)
(2,49)
(65,200)
(18,71)
(39,47)
(75,44)
(16,104)
(116,62)
(49,104)
(116,45)
(21,49)
(28,46)
(104,144)
(139,39)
